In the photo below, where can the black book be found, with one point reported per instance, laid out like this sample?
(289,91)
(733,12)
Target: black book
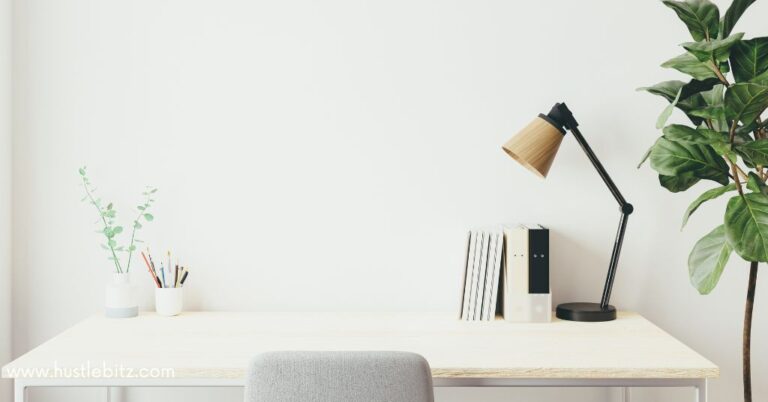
(538,259)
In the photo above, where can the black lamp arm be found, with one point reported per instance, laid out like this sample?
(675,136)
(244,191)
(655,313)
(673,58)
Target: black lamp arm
(625,207)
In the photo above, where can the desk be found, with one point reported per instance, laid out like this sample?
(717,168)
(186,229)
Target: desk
(212,349)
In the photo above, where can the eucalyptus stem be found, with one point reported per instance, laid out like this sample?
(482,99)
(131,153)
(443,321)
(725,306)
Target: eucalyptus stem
(103,220)
(133,232)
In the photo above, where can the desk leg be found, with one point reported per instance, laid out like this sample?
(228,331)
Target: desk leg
(701,391)
(626,395)
(19,391)
(115,394)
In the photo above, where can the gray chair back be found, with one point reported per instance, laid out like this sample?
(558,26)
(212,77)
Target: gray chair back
(339,377)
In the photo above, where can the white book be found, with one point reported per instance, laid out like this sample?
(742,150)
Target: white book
(488,280)
(481,276)
(467,277)
(516,273)
(493,291)
(480,245)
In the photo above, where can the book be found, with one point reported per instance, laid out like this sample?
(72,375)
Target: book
(482,255)
(482,275)
(538,259)
(492,285)
(468,264)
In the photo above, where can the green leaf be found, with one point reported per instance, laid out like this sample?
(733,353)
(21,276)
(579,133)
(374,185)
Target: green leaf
(755,152)
(700,16)
(137,224)
(645,157)
(749,58)
(689,64)
(679,183)
(154,190)
(131,248)
(112,243)
(756,184)
(690,97)
(707,260)
(710,112)
(81,171)
(704,197)
(117,230)
(732,16)
(671,158)
(664,116)
(745,101)
(141,207)
(761,79)
(149,217)
(718,49)
(746,226)
(681,133)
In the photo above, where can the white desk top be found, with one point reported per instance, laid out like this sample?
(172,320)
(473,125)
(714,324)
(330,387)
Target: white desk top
(219,345)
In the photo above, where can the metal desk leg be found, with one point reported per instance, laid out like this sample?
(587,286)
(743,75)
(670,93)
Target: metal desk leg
(701,391)
(626,394)
(19,391)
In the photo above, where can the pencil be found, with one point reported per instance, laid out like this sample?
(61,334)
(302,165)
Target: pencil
(162,271)
(184,278)
(149,268)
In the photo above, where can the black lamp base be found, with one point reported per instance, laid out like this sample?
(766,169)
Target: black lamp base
(590,312)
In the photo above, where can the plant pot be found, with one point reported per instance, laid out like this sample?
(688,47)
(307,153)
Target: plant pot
(120,299)
(169,301)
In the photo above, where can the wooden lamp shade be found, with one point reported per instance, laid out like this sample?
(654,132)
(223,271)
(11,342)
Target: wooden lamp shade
(536,145)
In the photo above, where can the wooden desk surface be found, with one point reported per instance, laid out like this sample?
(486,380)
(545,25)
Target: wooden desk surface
(219,345)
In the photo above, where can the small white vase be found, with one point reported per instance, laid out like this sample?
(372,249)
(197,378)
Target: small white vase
(169,301)
(120,299)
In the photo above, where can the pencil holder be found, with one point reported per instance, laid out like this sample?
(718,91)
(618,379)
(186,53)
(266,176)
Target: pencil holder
(120,299)
(169,301)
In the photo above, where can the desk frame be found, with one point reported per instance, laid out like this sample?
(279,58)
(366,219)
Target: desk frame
(112,384)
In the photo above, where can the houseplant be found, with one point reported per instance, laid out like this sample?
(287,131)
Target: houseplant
(120,299)
(726,143)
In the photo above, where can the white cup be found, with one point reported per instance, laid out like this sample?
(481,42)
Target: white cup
(169,301)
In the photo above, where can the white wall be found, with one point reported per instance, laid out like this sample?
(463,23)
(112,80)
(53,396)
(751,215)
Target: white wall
(330,156)
(5,190)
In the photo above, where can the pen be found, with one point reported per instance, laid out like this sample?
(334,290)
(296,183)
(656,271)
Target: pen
(184,278)
(162,271)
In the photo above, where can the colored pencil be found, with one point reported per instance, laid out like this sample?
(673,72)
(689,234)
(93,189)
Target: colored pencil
(151,272)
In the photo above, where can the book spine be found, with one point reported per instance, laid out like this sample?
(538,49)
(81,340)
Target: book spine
(467,277)
(538,261)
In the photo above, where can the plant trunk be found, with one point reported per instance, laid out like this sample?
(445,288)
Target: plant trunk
(747,335)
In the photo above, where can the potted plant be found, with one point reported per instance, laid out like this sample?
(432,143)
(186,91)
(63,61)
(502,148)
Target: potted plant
(120,296)
(726,143)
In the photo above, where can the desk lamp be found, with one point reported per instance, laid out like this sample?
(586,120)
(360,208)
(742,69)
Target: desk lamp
(535,148)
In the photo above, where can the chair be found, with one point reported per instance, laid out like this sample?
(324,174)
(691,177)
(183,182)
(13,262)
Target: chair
(339,377)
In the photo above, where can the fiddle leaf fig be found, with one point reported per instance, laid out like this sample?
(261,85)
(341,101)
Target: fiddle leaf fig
(732,16)
(756,184)
(672,158)
(717,50)
(681,133)
(745,101)
(749,58)
(704,197)
(707,260)
(678,183)
(700,16)
(689,64)
(756,152)
(746,226)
